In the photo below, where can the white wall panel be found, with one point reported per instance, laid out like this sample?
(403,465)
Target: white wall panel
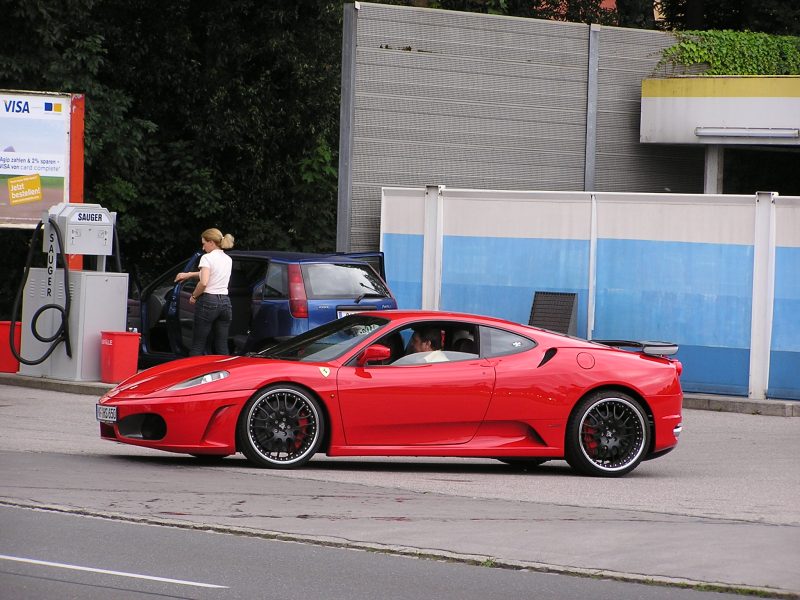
(787,221)
(557,217)
(707,219)
(403,211)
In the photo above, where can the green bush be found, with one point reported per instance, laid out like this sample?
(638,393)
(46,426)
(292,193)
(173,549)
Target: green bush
(732,53)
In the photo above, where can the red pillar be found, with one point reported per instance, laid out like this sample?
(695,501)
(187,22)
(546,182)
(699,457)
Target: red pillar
(75,193)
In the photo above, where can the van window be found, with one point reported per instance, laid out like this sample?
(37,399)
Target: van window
(277,284)
(329,280)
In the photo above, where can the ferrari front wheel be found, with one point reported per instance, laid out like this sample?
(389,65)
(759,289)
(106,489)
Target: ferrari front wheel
(607,434)
(281,427)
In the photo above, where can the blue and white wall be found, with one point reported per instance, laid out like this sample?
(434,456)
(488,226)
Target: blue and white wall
(699,270)
(784,371)
(679,268)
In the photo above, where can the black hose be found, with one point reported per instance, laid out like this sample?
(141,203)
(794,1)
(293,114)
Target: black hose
(62,333)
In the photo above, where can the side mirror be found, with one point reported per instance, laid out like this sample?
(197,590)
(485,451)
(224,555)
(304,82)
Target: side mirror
(375,353)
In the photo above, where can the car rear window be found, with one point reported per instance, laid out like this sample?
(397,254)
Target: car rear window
(498,342)
(331,280)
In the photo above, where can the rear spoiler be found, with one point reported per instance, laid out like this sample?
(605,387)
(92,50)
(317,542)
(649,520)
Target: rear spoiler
(649,348)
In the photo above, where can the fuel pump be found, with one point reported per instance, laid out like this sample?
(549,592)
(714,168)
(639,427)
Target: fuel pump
(63,311)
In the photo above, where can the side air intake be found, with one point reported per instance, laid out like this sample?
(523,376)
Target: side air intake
(549,353)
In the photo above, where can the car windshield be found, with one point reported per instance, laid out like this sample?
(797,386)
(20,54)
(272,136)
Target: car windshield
(326,342)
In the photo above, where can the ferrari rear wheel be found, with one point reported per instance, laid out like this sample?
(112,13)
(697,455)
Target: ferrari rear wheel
(607,434)
(281,427)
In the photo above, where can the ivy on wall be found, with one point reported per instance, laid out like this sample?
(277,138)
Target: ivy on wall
(731,53)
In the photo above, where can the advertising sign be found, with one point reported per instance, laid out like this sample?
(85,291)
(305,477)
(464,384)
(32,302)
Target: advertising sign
(37,154)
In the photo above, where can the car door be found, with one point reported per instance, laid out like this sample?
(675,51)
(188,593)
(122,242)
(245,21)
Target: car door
(425,404)
(159,314)
(181,311)
(272,317)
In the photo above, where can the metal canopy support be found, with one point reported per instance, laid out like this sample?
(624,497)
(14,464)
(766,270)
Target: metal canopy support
(763,294)
(714,167)
(432,247)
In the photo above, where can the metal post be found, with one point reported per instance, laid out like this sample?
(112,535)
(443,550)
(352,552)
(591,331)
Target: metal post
(714,168)
(346,119)
(591,109)
(763,294)
(432,247)
(592,269)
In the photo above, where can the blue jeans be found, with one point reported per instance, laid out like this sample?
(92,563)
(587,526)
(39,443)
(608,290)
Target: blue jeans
(212,312)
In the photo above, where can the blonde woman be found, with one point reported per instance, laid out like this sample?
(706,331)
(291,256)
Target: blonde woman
(213,307)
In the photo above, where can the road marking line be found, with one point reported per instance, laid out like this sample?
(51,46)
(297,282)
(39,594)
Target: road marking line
(106,572)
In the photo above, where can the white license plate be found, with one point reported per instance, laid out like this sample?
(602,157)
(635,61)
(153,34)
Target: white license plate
(344,313)
(106,414)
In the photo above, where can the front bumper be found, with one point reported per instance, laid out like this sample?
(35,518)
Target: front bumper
(202,424)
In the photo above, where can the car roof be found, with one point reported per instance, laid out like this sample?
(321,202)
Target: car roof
(410,316)
(433,315)
(294,257)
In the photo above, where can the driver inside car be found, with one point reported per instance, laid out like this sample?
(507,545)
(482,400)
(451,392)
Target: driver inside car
(427,341)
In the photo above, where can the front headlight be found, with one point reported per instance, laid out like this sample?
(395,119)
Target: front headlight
(195,381)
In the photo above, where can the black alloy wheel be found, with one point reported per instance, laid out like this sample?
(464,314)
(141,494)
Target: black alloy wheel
(607,434)
(281,427)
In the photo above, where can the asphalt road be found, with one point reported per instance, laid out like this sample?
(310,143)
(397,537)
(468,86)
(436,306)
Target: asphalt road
(720,510)
(96,559)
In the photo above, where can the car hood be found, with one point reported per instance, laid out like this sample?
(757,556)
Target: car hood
(243,373)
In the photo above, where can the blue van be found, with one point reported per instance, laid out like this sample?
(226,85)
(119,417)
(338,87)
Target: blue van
(275,296)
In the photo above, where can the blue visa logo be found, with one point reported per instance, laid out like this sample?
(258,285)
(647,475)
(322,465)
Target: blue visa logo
(16,106)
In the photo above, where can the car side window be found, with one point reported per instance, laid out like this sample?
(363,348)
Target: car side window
(277,283)
(498,342)
(454,341)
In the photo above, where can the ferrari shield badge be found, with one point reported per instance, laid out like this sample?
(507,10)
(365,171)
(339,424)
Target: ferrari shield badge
(325,371)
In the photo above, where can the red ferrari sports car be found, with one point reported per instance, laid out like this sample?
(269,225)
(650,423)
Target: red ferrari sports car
(412,383)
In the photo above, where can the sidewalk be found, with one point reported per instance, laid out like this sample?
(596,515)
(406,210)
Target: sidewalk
(713,402)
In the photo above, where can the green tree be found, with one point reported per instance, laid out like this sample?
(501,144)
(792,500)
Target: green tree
(198,114)
(781,17)
(636,13)
(55,46)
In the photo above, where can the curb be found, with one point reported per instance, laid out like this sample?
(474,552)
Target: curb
(734,404)
(89,388)
(713,402)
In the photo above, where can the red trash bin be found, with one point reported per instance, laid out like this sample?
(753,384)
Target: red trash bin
(119,355)
(8,362)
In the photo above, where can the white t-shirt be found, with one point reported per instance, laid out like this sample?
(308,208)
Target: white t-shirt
(219,265)
(435,356)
